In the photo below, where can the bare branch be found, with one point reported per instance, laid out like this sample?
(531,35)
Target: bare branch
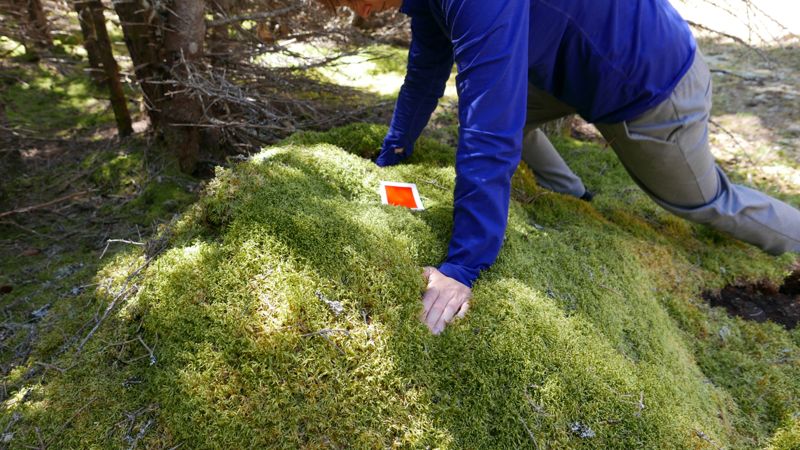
(730,36)
(254,16)
(43,205)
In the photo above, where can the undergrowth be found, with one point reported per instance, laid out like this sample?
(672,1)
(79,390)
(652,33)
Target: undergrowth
(283,313)
(38,99)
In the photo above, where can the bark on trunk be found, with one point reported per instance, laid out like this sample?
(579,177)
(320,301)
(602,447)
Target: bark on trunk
(164,45)
(39,28)
(141,26)
(183,45)
(89,41)
(118,102)
(29,24)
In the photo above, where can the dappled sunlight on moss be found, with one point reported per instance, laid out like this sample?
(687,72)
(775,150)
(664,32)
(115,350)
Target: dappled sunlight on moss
(303,362)
(788,437)
(53,103)
(11,48)
(284,313)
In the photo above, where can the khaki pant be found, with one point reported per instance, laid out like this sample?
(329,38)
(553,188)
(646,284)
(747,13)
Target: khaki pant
(665,150)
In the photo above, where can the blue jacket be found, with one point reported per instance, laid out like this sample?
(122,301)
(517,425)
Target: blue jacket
(609,59)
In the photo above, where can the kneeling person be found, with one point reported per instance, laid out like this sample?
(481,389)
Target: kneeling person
(632,68)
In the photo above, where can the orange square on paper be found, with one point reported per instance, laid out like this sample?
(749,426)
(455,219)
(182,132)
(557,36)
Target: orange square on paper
(401,194)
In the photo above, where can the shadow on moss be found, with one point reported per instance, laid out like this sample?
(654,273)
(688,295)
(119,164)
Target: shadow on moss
(590,320)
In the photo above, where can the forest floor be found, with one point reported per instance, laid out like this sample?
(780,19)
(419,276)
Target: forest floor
(72,195)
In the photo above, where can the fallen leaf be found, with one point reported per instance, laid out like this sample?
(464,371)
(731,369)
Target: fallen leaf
(30,252)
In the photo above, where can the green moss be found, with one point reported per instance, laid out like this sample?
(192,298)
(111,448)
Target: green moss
(590,320)
(159,200)
(11,48)
(365,139)
(787,437)
(115,172)
(48,102)
(360,139)
(124,173)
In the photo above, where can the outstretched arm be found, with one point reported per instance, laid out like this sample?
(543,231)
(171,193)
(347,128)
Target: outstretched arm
(490,41)
(430,59)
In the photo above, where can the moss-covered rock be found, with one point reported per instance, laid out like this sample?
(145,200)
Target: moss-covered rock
(589,331)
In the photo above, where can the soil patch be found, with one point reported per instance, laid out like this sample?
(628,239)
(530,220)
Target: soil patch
(762,301)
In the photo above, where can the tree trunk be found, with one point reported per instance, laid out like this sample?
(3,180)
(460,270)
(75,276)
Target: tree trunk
(165,46)
(183,45)
(39,28)
(29,24)
(141,26)
(89,41)
(103,43)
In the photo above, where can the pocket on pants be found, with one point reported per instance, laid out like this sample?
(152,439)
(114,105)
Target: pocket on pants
(686,109)
(660,124)
(668,134)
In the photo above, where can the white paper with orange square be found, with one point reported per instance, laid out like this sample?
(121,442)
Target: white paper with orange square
(401,194)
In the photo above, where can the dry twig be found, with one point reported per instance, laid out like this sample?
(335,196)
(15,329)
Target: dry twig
(732,37)
(43,205)
(69,421)
(254,16)
(124,241)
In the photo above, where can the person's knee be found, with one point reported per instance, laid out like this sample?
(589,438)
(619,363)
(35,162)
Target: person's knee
(709,213)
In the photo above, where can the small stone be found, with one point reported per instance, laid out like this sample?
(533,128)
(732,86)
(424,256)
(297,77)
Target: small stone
(53,251)
(724,332)
(67,270)
(41,312)
(335,305)
(582,430)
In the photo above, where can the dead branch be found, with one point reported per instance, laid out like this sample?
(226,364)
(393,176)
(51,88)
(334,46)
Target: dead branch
(43,205)
(255,16)
(23,133)
(153,248)
(734,38)
(705,437)
(14,419)
(530,433)
(124,241)
(69,421)
(130,422)
(326,332)
(153,359)
(122,294)
(28,230)
(249,106)
(54,367)
(736,75)
(735,141)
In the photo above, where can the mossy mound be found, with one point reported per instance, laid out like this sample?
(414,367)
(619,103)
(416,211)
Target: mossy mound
(284,314)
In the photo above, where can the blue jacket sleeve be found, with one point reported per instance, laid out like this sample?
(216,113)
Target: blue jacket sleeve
(430,59)
(490,42)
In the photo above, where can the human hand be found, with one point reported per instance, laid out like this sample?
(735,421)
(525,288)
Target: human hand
(391,154)
(445,300)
